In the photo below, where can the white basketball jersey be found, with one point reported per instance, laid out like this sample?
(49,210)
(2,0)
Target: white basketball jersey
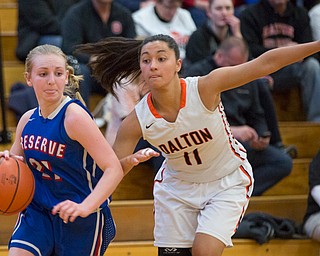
(198,146)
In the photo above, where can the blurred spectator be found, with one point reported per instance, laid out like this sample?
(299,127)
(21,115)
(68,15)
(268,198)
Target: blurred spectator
(221,23)
(278,23)
(204,42)
(39,22)
(314,14)
(246,116)
(313,7)
(165,17)
(311,221)
(197,9)
(88,22)
(135,5)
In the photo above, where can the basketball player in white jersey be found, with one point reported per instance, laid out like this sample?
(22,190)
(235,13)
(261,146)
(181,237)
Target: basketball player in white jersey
(203,187)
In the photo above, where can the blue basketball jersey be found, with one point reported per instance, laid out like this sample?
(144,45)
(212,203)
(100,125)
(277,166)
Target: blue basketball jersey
(62,168)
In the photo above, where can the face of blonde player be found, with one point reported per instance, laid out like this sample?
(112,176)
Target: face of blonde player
(158,64)
(48,77)
(219,11)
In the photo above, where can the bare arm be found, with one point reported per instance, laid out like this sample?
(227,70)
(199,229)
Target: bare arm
(226,78)
(16,149)
(127,138)
(90,137)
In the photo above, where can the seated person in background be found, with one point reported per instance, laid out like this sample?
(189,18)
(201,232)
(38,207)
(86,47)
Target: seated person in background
(88,22)
(168,18)
(311,221)
(221,23)
(313,7)
(277,23)
(134,5)
(197,9)
(247,118)
(204,66)
(39,22)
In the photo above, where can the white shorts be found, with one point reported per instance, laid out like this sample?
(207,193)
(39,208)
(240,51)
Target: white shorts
(312,226)
(216,208)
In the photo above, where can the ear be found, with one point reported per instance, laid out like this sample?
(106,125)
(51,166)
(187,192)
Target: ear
(67,77)
(208,12)
(27,77)
(178,65)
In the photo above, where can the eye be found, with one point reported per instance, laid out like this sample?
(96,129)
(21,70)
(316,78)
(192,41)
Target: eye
(59,73)
(145,61)
(42,74)
(162,59)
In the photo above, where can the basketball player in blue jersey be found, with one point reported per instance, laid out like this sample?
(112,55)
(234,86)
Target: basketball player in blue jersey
(202,189)
(75,169)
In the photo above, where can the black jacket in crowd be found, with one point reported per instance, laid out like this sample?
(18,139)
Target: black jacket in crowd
(37,18)
(261,25)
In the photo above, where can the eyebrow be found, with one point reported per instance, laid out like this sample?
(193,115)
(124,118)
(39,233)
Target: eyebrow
(159,51)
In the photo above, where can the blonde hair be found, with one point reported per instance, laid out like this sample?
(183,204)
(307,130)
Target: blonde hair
(72,88)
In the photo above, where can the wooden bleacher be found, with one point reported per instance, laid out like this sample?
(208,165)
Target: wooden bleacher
(132,205)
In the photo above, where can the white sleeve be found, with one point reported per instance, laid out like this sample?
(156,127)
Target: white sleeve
(314,14)
(315,192)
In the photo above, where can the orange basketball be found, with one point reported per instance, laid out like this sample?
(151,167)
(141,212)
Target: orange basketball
(16,186)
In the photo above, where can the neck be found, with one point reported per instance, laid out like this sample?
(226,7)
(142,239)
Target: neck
(220,32)
(47,108)
(167,101)
(103,9)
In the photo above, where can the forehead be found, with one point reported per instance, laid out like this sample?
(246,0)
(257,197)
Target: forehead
(276,2)
(235,56)
(155,47)
(215,3)
(170,3)
(48,60)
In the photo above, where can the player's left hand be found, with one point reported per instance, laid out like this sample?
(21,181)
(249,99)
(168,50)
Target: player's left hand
(143,155)
(68,211)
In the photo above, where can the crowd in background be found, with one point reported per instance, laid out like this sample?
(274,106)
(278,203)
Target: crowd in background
(199,27)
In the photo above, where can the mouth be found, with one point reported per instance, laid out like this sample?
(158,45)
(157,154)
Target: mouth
(50,91)
(154,76)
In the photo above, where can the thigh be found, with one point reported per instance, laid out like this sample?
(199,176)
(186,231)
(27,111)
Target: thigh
(175,216)
(33,232)
(224,211)
(183,209)
(287,77)
(85,236)
(271,155)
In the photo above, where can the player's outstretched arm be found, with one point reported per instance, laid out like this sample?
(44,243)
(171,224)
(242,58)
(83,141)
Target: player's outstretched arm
(226,78)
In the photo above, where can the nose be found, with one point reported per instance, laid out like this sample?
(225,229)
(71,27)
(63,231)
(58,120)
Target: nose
(153,65)
(51,79)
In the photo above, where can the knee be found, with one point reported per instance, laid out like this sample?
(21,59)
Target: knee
(205,251)
(311,64)
(282,162)
(285,164)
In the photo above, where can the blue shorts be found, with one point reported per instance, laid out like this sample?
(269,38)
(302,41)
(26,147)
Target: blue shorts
(41,233)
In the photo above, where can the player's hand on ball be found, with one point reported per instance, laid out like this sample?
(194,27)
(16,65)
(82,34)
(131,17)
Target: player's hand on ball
(68,211)
(6,154)
(143,155)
